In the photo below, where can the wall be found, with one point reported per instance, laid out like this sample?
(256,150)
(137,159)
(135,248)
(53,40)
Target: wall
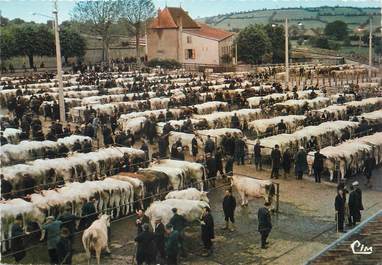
(226,46)
(206,50)
(162,44)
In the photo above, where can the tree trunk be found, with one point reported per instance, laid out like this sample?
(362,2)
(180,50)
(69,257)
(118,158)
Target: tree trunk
(30,58)
(105,49)
(137,34)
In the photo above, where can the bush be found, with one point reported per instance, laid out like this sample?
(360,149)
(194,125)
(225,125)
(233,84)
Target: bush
(321,42)
(164,63)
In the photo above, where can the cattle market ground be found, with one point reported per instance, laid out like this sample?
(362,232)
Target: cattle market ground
(303,227)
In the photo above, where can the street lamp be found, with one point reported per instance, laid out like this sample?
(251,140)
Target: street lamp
(59,64)
(370,46)
(286,54)
(61,101)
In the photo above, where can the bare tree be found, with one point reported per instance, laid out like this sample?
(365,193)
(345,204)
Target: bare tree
(100,14)
(136,13)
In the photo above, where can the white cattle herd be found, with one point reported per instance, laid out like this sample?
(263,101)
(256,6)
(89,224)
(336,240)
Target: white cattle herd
(161,184)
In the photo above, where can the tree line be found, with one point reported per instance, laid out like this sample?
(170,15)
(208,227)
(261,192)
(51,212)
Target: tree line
(20,38)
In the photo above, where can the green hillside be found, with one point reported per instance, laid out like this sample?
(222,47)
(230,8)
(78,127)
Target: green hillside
(312,18)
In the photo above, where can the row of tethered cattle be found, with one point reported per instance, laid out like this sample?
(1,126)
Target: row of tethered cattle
(120,194)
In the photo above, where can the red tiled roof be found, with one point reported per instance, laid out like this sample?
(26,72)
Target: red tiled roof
(210,33)
(169,18)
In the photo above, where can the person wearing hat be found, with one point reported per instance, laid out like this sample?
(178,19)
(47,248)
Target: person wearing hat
(209,146)
(88,213)
(355,204)
(64,247)
(301,163)
(179,154)
(229,206)
(339,205)
(318,165)
(207,230)
(69,221)
(265,223)
(179,223)
(276,161)
(211,169)
(145,245)
(160,240)
(17,242)
(52,228)
(172,244)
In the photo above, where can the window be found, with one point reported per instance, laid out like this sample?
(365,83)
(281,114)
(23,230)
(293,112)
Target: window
(189,54)
(189,39)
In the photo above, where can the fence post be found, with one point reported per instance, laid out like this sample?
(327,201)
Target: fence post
(277,197)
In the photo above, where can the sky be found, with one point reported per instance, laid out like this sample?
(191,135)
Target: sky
(24,9)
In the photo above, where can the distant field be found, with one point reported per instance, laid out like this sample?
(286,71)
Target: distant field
(310,17)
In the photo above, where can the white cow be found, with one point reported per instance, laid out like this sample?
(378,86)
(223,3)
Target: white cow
(251,187)
(188,194)
(96,238)
(191,210)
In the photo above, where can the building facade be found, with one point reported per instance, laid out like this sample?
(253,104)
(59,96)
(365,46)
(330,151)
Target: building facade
(173,34)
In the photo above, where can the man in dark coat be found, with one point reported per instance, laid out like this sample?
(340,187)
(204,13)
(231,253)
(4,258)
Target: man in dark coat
(141,220)
(211,170)
(276,161)
(301,163)
(172,245)
(355,204)
(257,155)
(6,188)
(209,146)
(17,243)
(229,205)
(239,153)
(107,138)
(235,123)
(208,233)
(281,127)
(287,162)
(318,165)
(29,184)
(229,145)
(369,166)
(219,161)
(88,213)
(160,240)
(69,221)
(229,166)
(145,246)
(265,224)
(64,247)
(194,147)
(339,205)
(178,222)
(162,146)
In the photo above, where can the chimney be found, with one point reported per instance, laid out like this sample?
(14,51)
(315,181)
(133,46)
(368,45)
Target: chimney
(159,11)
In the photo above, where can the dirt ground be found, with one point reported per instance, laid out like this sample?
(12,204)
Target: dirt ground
(304,226)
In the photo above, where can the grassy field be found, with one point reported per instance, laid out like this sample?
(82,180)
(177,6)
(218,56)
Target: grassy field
(310,17)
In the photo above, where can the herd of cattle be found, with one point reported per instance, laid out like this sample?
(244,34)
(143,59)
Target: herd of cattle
(160,185)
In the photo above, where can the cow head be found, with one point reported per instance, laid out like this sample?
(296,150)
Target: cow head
(204,197)
(270,191)
(105,219)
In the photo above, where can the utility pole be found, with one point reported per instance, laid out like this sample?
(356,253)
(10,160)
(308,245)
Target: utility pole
(286,54)
(370,46)
(59,65)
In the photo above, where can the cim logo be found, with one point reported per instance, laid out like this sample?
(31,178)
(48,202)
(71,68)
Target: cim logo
(360,249)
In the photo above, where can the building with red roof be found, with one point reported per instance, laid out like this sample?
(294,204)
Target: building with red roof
(173,34)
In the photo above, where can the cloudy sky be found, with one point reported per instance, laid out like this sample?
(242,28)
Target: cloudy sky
(197,8)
